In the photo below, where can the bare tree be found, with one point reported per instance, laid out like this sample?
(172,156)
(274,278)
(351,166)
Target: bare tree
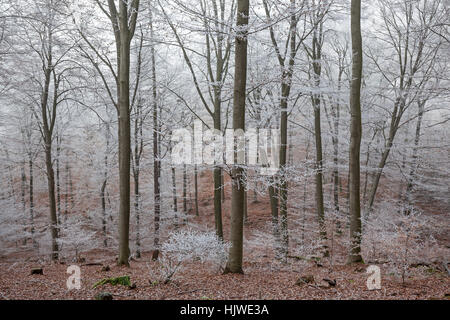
(123,23)
(411,66)
(355,134)
(215,20)
(234,264)
(51,88)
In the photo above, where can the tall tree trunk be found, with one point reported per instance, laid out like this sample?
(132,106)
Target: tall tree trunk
(287,70)
(103,201)
(174,189)
(319,170)
(379,171)
(138,145)
(48,122)
(218,176)
(66,189)
(336,185)
(103,188)
(138,216)
(58,180)
(196,189)
(234,264)
(23,181)
(273,196)
(11,180)
(335,140)
(51,197)
(412,173)
(31,195)
(124,141)
(124,23)
(245,208)
(185,209)
(305,187)
(366,172)
(69,189)
(355,134)
(156,153)
(283,185)
(316,56)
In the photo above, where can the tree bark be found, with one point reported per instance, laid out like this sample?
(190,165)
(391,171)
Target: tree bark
(196,189)
(413,171)
(355,134)
(124,23)
(48,122)
(52,198)
(234,264)
(174,189)
(58,180)
(23,181)
(31,195)
(103,188)
(124,140)
(156,152)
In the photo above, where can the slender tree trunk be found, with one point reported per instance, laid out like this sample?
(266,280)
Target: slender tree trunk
(283,185)
(58,180)
(103,189)
(138,145)
(124,23)
(222,178)
(218,201)
(66,189)
(335,140)
(319,170)
(52,198)
(366,172)
(70,196)
(124,140)
(287,70)
(413,171)
(23,181)
(196,189)
(273,195)
(11,180)
(31,195)
(379,172)
(218,176)
(156,153)
(234,264)
(355,134)
(174,190)
(103,200)
(336,187)
(48,121)
(245,208)
(305,188)
(185,209)
(138,216)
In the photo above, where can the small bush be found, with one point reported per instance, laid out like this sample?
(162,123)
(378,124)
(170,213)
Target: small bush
(188,246)
(191,245)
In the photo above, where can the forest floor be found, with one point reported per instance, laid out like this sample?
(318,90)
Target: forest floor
(264,277)
(199,282)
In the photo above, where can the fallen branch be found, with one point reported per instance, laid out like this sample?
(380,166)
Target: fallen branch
(182,292)
(445,265)
(3,296)
(92,264)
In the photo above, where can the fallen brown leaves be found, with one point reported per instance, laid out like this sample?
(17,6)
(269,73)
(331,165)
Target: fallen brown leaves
(199,282)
